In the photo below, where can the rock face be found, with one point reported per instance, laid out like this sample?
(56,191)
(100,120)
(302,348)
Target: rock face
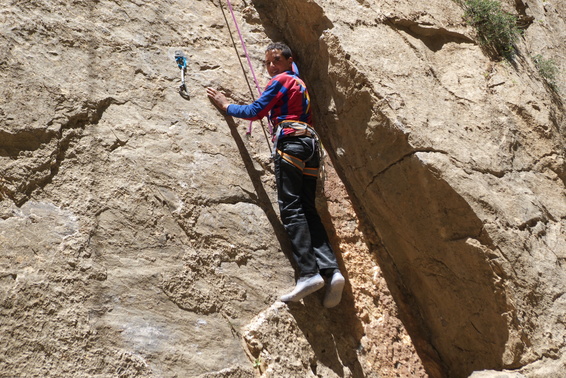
(138,229)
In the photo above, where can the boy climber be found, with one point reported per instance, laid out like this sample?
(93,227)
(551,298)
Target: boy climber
(286,99)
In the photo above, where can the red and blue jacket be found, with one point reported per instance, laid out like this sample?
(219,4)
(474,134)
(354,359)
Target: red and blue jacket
(285,98)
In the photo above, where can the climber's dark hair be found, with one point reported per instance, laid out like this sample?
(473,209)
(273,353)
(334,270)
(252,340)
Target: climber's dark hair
(285,50)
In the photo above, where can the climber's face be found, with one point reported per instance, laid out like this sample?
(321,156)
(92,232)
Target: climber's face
(276,63)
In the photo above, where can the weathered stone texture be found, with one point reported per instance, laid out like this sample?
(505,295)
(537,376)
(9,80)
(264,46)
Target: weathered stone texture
(139,232)
(456,161)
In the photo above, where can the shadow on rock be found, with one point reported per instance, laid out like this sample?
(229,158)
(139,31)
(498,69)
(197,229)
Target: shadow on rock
(333,334)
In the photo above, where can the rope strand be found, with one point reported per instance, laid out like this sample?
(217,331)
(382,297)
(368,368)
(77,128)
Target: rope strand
(242,65)
(244,46)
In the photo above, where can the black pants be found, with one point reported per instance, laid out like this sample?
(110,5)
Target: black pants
(296,190)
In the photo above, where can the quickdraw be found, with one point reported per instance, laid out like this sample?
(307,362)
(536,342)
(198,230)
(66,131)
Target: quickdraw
(181,61)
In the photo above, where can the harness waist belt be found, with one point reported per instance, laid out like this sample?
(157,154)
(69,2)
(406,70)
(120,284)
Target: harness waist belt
(299,132)
(299,129)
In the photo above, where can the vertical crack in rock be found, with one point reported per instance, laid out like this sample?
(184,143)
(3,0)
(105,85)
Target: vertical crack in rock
(443,285)
(451,161)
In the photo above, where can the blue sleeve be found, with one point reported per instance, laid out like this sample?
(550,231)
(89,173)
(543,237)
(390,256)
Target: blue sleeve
(260,107)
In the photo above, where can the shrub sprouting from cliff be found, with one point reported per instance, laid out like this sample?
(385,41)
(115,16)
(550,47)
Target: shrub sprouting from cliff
(497,29)
(547,69)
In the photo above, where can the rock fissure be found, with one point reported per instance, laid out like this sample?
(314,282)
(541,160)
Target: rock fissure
(12,144)
(442,203)
(400,160)
(432,36)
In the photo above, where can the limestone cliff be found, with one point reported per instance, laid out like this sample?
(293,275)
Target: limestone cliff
(138,229)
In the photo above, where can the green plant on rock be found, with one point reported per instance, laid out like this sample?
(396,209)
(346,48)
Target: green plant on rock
(547,69)
(497,30)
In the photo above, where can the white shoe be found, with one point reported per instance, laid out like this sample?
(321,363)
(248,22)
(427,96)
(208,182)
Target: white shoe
(334,290)
(304,287)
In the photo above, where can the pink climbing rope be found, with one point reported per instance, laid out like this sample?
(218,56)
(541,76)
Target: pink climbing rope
(244,46)
(247,57)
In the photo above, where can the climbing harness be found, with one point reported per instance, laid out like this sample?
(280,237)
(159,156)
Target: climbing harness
(242,65)
(181,61)
(300,164)
(299,129)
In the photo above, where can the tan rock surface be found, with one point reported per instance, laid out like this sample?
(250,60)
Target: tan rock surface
(139,232)
(455,161)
